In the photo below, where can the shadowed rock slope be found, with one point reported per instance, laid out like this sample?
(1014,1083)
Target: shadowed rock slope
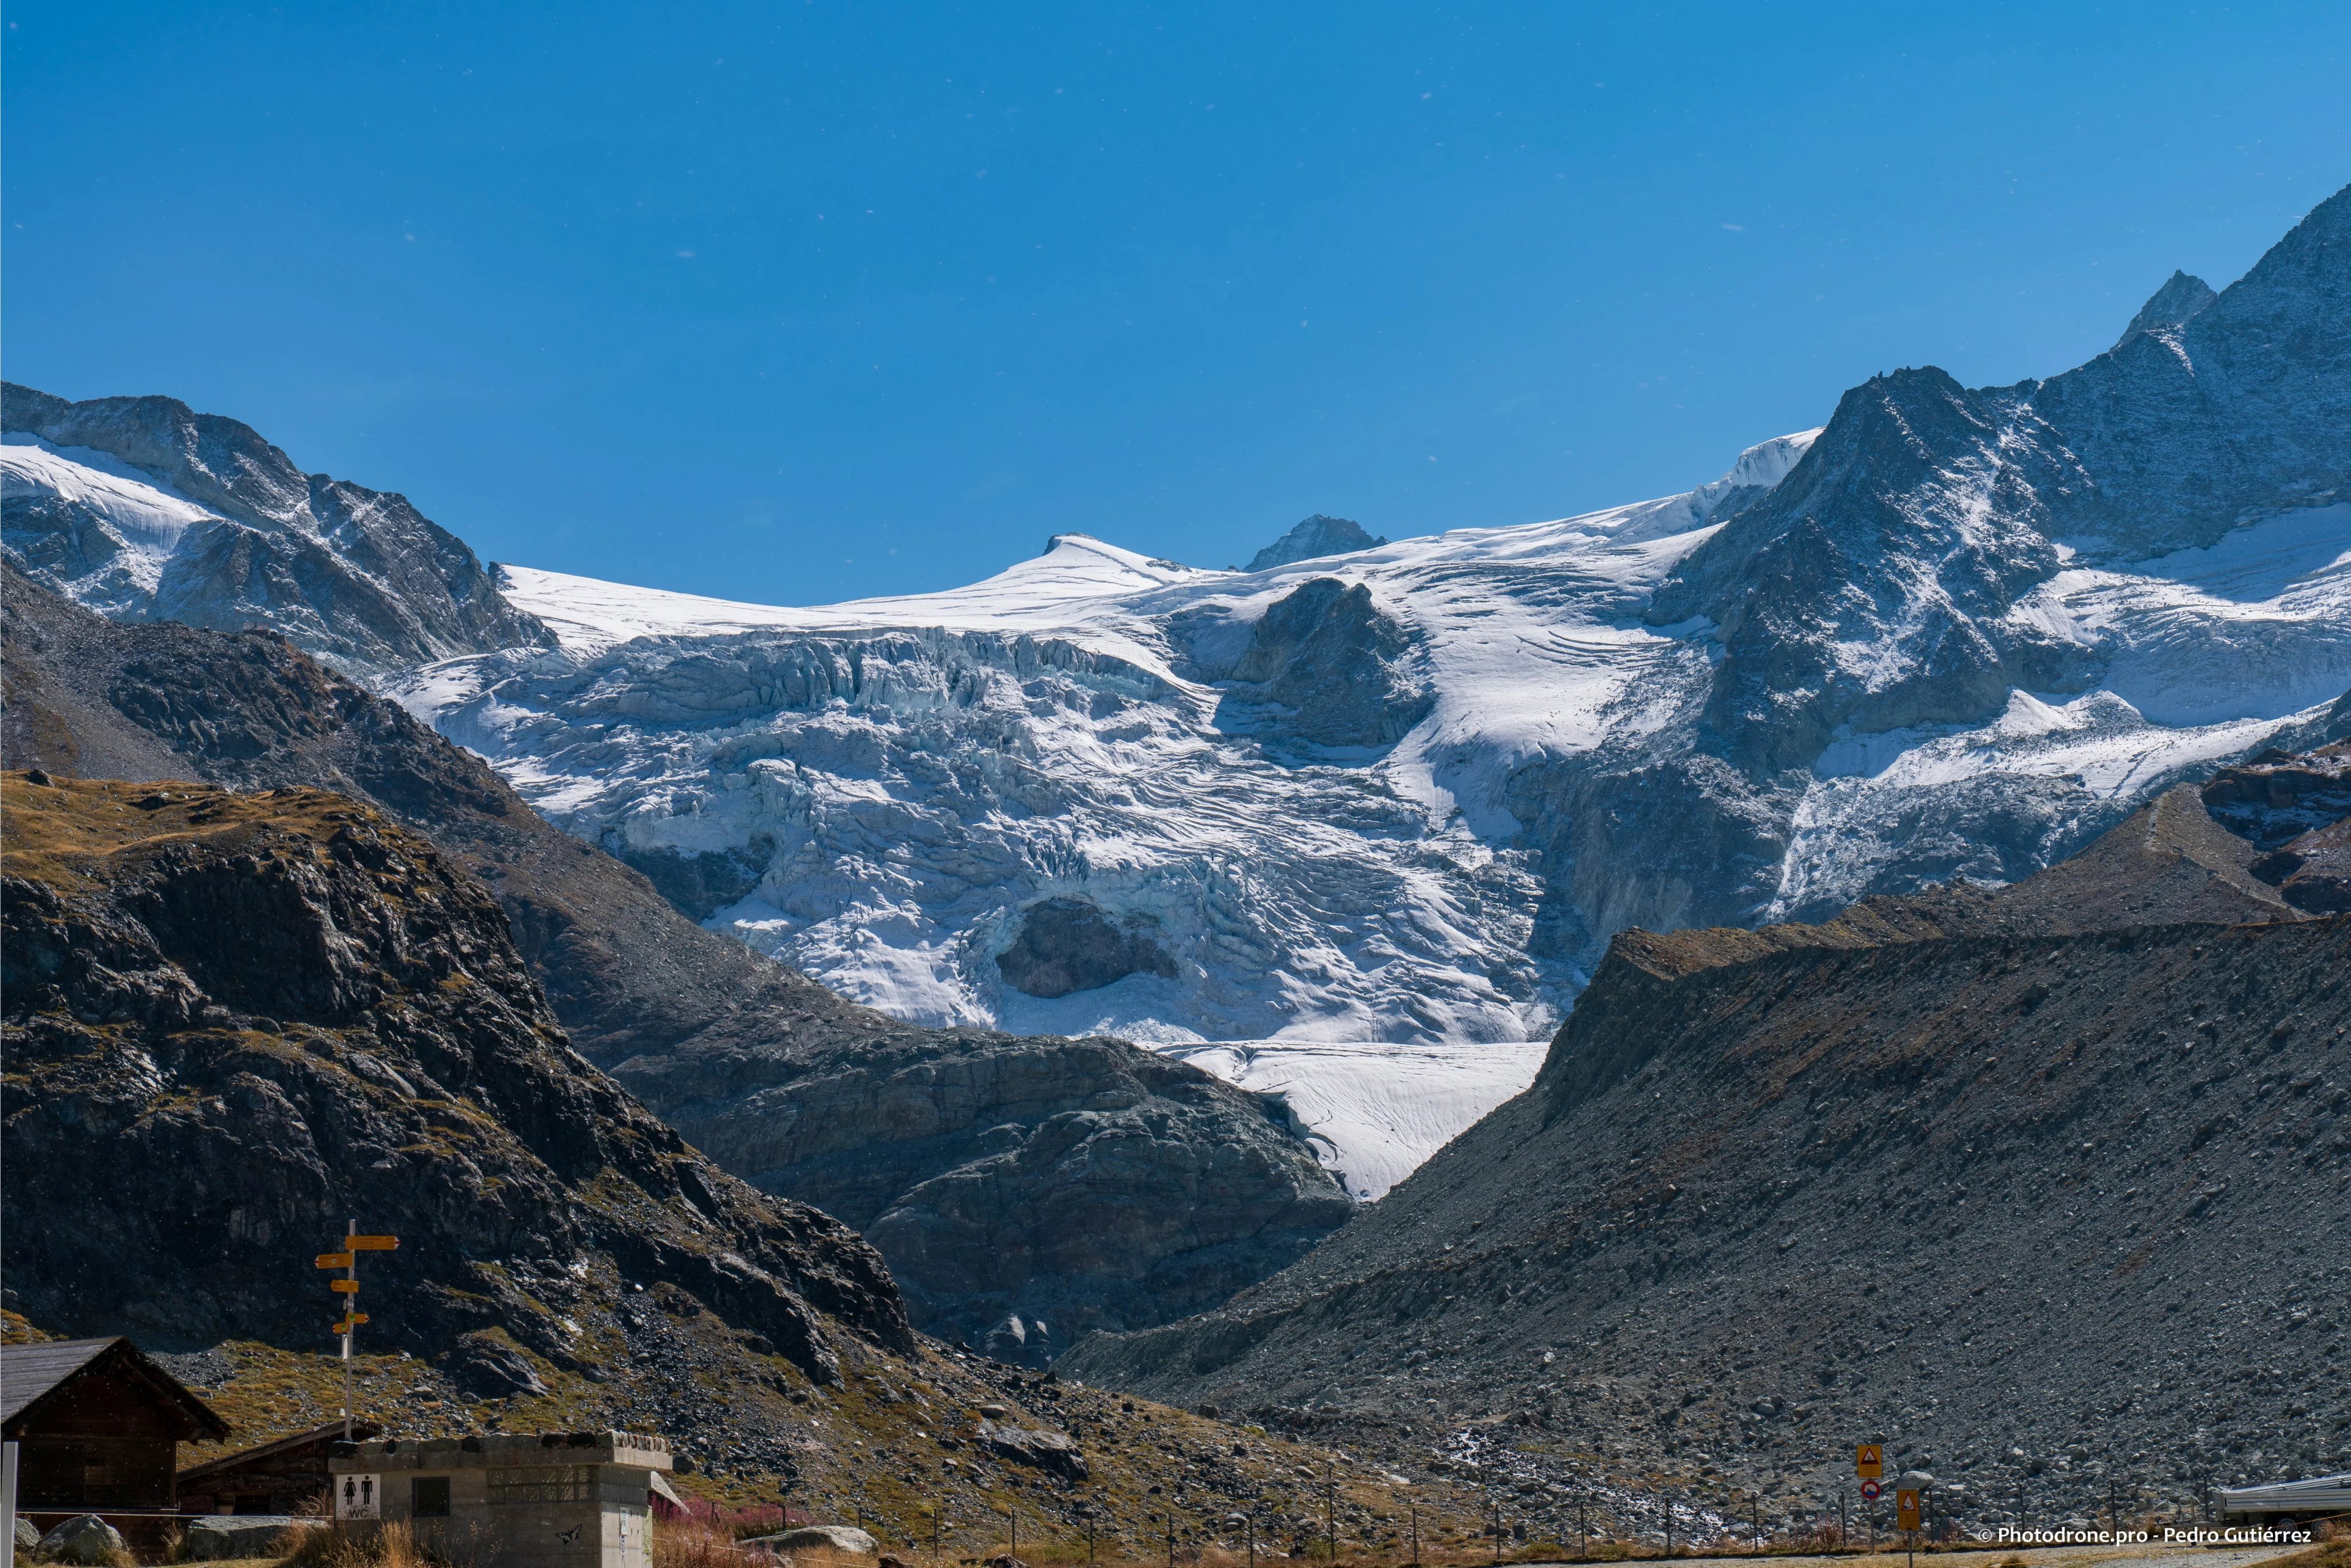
(1066,1182)
(232,1020)
(2010,1180)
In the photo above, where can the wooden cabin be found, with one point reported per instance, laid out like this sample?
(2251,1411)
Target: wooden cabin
(273,1478)
(99,1427)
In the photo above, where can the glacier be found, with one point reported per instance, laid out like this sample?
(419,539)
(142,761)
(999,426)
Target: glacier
(889,784)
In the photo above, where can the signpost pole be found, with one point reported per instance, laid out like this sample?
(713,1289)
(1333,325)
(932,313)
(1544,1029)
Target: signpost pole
(350,1228)
(346,1289)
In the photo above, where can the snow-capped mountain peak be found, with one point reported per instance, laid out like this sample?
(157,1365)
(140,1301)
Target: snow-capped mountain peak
(146,509)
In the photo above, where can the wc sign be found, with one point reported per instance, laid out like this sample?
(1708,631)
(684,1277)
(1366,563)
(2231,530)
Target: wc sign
(356,1497)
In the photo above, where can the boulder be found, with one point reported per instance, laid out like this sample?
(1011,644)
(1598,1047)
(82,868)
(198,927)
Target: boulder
(29,1539)
(85,1537)
(487,1365)
(844,1537)
(227,1536)
(1055,1452)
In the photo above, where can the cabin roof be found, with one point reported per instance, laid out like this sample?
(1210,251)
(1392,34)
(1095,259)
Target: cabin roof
(30,1374)
(332,1432)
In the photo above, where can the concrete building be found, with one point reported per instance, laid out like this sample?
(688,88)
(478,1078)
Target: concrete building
(577,1499)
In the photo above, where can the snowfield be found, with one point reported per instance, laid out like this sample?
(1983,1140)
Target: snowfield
(1375,1114)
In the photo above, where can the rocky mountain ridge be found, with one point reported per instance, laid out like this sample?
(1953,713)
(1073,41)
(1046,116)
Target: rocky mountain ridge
(1314,538)
(148,510)
(1966,1171)
(233,1019)
(1022,1188)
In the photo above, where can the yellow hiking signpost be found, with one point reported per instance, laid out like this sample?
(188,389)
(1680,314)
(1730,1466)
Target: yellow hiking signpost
(347,1288)
(1869,1461)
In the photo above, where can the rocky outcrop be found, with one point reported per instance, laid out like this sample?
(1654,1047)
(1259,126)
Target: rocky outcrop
(2296,811)
(2238,407)
(1326,666)
(1066,945)
(1063,1185)
(1056,1453)
(1908,527)
(2008,1135)
(2170,307)
(1314,539)
(234,534)
(719,1040)
(1926,511)
(232,1020)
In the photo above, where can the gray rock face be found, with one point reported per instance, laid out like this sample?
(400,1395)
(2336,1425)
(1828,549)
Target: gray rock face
(487,1365)
(1327,666)
(28,1538)
(1313,539)
(222,1004)
(2170,307)
(1068,1185)
(351,574)
(227,1537)
(2092,1088)
(1925,510)
(2185,428)
(85,1537)
(1056,1453)
(1906,528)
(1068,944)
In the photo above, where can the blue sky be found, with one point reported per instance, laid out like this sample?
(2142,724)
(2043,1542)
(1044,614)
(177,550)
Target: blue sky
(800,301)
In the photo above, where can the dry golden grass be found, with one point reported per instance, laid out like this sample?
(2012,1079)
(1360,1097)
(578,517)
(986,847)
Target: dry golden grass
(696,1543)
(389,1545)
(57,832)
